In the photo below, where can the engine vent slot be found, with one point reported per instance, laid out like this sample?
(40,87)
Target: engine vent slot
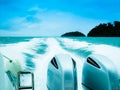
(92,62)
(54,63)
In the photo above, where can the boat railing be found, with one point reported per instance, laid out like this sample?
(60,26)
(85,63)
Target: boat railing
(18,80)
(25,80)
(12,78)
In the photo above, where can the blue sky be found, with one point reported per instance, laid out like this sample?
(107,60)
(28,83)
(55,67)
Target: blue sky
(54,17)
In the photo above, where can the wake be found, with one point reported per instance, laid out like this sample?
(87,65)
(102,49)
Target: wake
(41,69)
(36,54)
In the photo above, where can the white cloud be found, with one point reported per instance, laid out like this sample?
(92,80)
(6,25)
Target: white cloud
(41,22)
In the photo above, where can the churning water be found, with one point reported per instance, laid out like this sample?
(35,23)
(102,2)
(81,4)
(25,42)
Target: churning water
(34,54)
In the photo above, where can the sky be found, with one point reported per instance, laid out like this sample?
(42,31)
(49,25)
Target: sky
(55,17)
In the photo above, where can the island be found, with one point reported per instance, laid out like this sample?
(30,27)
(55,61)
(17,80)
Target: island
(106,30)
(102,30)
(73,34)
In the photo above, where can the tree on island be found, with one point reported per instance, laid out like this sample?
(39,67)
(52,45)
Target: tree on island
(73,34)
(106,30)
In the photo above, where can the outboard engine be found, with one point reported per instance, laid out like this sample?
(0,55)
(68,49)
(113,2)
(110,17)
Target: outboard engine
(100,73)
(61,73)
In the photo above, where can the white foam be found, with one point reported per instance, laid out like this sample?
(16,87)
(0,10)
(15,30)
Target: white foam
(70,43)
(43,61)
(14,51)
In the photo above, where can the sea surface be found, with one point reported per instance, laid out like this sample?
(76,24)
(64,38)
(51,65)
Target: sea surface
(115,41)
(35,53)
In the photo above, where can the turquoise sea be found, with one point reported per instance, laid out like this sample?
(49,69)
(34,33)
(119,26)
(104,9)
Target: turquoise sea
(34,53)
(115,41)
